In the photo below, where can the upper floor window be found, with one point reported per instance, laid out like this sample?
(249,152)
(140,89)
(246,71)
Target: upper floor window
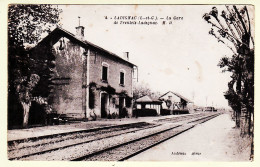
(122,77)
(104,72)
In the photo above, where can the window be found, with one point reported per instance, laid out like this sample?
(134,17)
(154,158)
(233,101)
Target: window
(122,78)
(104,73)
(113,100)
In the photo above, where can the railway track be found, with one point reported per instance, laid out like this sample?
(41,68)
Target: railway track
(64,140)
(181,118)
(129,149)
(103,144)
(52,136)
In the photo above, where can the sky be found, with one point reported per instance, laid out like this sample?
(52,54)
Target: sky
(181,57)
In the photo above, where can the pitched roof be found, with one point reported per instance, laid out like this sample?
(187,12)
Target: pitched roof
(177,94)
(148,99)
(59,32)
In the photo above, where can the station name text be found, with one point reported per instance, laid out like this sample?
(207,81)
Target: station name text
(144,20)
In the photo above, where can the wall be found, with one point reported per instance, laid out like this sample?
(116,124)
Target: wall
(151,106)
(95,61)
(71,93)
(68,96)
(174,97)
(176,100)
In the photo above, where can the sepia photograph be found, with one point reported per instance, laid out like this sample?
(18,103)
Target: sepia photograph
(130,82)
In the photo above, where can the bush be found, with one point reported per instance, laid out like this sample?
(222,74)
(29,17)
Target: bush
(114,115)
(144,112)
(109,116)
(124,113)
(165,112)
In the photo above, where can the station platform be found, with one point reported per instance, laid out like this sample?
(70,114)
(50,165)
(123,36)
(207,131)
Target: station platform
(17,134)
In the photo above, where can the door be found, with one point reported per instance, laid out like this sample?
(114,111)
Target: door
(104,105)
(121,106)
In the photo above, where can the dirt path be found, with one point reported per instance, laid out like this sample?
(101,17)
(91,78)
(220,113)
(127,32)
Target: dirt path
(215,140)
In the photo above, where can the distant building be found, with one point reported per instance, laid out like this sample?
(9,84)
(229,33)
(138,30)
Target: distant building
(210,109)
(175,101)
(148,102)
(89,81)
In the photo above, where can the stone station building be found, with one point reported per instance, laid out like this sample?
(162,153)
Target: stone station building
(89,81)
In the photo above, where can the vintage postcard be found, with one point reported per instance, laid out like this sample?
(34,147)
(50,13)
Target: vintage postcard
(130,82)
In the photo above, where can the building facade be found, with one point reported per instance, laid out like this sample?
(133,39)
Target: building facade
(89,81)
(148,102)
(175,101)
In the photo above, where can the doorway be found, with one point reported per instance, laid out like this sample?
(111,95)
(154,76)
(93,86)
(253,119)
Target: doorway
(121,106)
(104,99)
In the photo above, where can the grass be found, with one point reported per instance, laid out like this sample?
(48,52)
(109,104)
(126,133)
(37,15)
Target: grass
(242,145)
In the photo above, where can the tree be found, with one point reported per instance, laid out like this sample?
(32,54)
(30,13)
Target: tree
(26,25)
(234,30)
(143,89)
(140,90)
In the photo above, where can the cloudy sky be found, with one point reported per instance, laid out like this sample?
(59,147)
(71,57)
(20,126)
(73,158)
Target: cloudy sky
(181,57)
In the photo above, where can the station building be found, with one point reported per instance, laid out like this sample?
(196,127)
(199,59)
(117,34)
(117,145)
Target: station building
(174,101)
(89,81)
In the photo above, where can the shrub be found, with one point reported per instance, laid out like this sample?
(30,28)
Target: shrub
(124,113)
(114,115)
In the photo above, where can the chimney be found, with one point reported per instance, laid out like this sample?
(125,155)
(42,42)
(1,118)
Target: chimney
(80,31)
(126,55)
